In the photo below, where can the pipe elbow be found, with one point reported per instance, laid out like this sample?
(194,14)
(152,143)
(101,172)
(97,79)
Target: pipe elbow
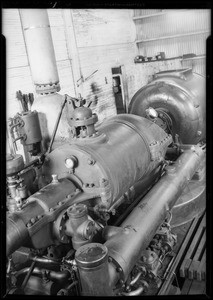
(16,233)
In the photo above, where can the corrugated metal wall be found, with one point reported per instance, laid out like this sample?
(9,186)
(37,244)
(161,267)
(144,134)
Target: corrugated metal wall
(175,32)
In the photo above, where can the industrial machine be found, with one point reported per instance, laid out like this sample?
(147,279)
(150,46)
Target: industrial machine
(93,213)
(99,222)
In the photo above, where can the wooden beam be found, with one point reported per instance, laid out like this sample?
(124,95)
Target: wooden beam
(194,58)
(72,49)
(172,36)
(148,16)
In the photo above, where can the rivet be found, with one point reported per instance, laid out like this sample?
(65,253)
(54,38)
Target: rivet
(32,220)
(28,225)
(90,161)
(109,259)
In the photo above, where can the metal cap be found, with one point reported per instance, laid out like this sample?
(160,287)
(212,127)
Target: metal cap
(15,163)
(91,255)
(77,210)
(82,113)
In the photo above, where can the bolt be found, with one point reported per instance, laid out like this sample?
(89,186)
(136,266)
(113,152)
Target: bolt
(109,259)
(28,225)
(170,169)
(32,220)
(199,133)
(59,203)
(77,190)
(113,211)
(119,269)
(91,161)
(51,209)
(54,178)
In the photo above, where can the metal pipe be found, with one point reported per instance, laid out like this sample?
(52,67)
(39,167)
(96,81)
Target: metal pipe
(17,234)
(52,275)
(136,292)
(134,280)
(32,163)
(44,260)
(40,50)
(141,225)
(24,283)
(56,124)
(58,276)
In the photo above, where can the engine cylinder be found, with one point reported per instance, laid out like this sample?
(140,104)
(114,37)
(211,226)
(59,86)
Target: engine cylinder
(125,149)
(181,95)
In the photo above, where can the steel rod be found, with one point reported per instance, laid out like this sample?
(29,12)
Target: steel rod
(56,125)
(28,275)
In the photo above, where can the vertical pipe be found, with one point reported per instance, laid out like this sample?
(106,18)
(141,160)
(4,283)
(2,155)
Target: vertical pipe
(39,44)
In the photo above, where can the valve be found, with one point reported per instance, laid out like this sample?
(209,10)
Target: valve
(79,225)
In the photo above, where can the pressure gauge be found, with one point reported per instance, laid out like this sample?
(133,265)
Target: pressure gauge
(71,162)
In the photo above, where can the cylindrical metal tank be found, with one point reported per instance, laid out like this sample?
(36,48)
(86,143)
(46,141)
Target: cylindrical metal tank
(180,94)
(31,127)
(140,226)
(126,149)
(41,55)
(92,262)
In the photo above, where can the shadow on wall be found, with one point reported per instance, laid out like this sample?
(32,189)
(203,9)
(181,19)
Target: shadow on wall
(92,99)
